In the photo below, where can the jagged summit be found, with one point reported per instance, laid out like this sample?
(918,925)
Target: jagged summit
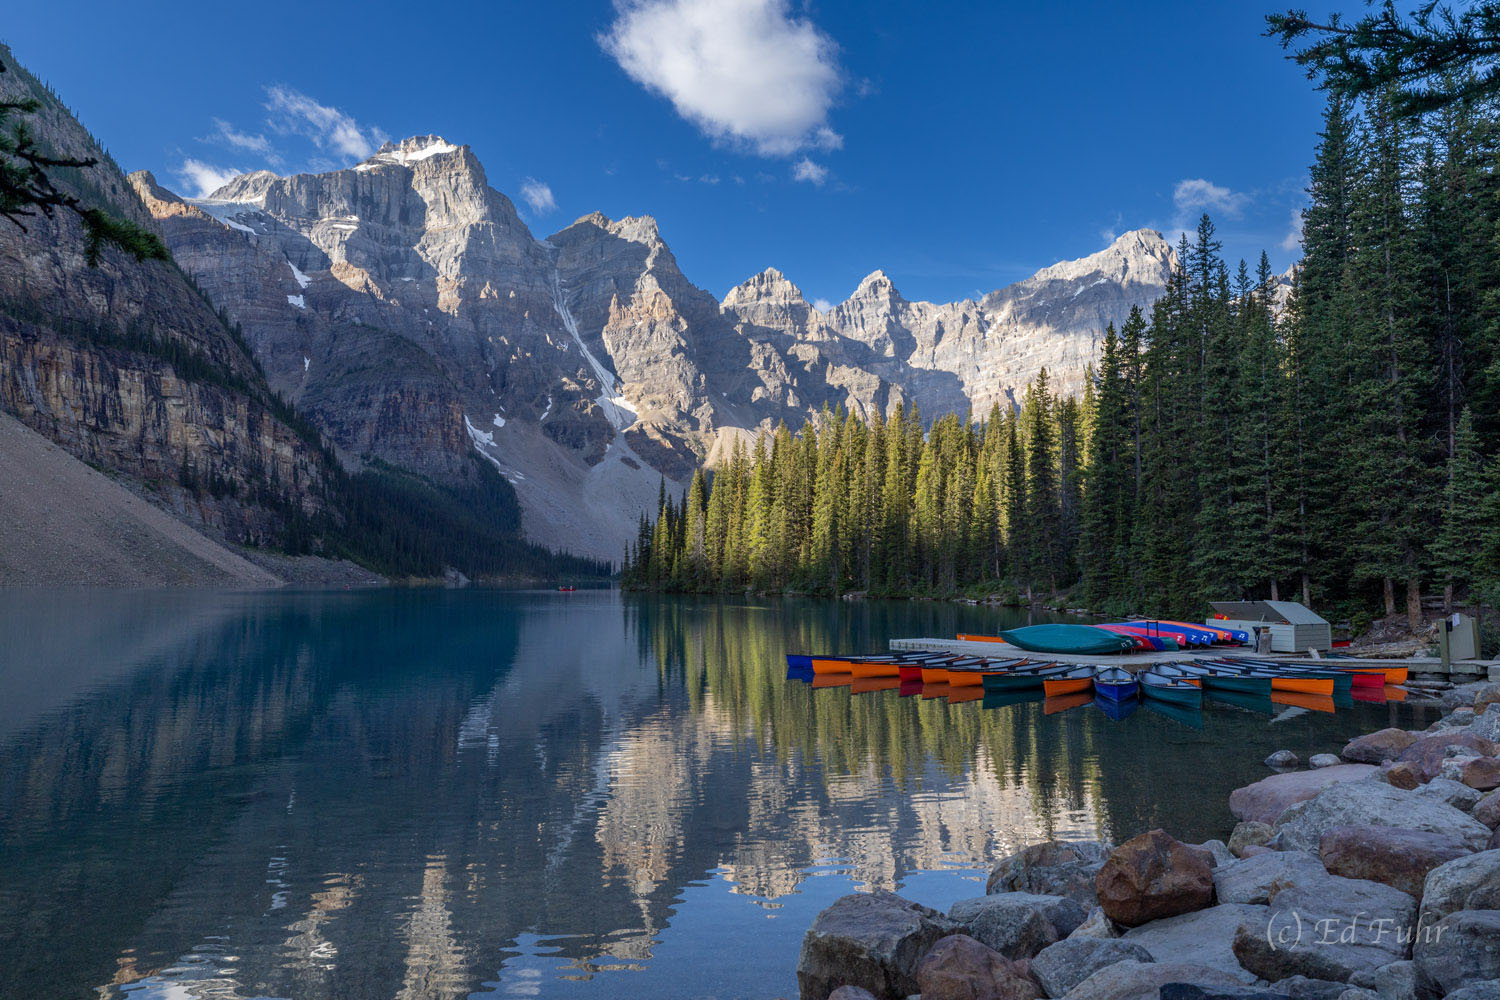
(769,285)
(409,151)
(877,282)
(249,188)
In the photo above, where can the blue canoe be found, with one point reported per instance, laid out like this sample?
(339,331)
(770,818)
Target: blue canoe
(1115,684)
(1196,637)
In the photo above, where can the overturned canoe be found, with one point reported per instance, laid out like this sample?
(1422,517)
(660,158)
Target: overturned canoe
(1078,640)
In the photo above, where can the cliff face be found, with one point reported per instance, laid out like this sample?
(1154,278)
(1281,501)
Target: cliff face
(405,306)
(128,367)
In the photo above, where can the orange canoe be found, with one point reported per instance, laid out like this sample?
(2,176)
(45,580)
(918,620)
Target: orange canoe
(1067,685)
(968,678)
(1322,686)
(966,637)
(934,675)
(821,666)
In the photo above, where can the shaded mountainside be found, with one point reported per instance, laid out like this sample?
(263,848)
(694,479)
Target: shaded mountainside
(404,305)
(130,367)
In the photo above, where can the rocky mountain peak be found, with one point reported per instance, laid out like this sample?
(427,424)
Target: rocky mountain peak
(409,151)
(876,285)
(246,188)
(768,286)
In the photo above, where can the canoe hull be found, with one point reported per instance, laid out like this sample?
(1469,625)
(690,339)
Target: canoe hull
(1083,640)
(1186,695)
(1066,686)
(866,669)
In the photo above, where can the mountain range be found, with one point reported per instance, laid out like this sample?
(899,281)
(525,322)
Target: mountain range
(404,306)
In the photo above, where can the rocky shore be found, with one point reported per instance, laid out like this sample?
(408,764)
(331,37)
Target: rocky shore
(1373,875)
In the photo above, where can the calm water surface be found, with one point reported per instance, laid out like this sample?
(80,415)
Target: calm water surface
(482,793)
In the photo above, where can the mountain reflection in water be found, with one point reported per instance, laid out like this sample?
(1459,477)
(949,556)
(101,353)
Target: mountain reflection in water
(454,793)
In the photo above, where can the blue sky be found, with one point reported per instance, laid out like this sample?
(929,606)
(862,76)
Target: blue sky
(959,147)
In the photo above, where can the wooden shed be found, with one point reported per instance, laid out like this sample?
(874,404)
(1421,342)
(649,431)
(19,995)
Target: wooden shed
(1294,629)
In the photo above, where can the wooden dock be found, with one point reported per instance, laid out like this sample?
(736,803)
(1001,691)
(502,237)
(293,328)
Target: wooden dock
(1462,669)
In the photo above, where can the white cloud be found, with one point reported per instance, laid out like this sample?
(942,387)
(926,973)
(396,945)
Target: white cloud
(538,196)
(228,135)
(1293,241)
(745,72)
(329,128)
(822,305)
(806,170)
(1198,195)
(205,178)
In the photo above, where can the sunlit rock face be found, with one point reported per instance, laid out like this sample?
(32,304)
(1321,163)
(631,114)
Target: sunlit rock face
(405,305)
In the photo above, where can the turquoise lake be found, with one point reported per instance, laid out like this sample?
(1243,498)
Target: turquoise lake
(479,793)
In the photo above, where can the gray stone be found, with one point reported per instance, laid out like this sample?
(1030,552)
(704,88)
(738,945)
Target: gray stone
(1471,883)
(1268,798)
(1060,967)
(1205,937)
(1402,980)
(1302,988)
(1017,924)
(1451,792)
(851,993)
(1254,880)
(1321,760)
(1282,758)
(1327,929)
(1487,723)
(1055,868)
(1462,949)
(1098,925)
(1429,752)
(1188,991)
(1249,834)
(1217,851)
(871,940)
(1487,990)
(1130,980)
(1372,803)
(1359,993)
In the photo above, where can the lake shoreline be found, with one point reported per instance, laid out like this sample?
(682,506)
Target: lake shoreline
(1381,832)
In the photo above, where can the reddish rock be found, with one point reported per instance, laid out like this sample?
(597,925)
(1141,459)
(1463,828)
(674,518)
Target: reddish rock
(1401,775)
(1377,747)
(1387,854)
(1267,799)
(1153,876)
(960,968)
(1429,752)
(1487,811)
(1482,773)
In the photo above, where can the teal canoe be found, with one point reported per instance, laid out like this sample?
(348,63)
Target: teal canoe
(1024,678)
(1079,640)
(1173,689)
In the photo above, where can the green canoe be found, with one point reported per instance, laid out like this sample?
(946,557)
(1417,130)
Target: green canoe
(1082,640)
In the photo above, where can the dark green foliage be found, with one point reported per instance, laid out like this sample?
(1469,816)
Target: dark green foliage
(27,189)
(402,524)
(1440,55)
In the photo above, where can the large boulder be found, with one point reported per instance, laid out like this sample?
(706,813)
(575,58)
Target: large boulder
(1377,747)
(1153,876)
(1132,980)
(1429,752)
(871,940)
(960,968)
(1190,991)
(1488,990)
(1402,980)
(1487,810)
(1060,967)
(1451,792)
(1265,800)
(1372,803)
(1205,937)
(1399,858)
(1460,950)
(1485,695)
(1328,929)
(1257,879)
(1017,924)
(1487,723)
(1468,883)
(1053,868)
(1302,988)
(1482,773)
